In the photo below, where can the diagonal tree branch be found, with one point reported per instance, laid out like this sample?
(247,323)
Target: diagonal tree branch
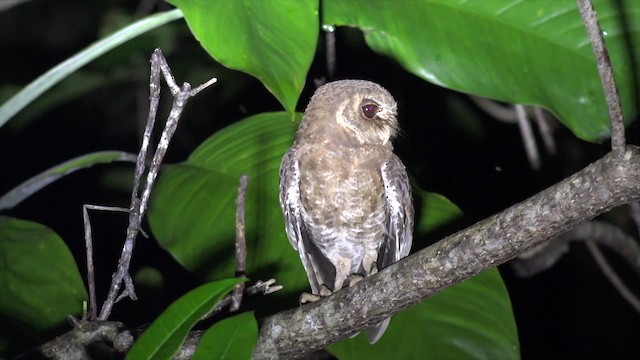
(610,182)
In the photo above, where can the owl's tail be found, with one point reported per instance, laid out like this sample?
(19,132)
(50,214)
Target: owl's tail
(374,333)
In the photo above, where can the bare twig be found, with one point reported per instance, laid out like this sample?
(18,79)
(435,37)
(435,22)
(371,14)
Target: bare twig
(615,280)
(259,288)
(504,113)
(513,114)
(606,75)
(542,258)
(139,203)
(592,232)
(545,130)
(241,243)
(528,140)
(91,279)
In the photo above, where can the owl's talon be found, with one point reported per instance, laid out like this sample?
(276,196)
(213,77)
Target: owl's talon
(353,279)
(324,291)
(306,297)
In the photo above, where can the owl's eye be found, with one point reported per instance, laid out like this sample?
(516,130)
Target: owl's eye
(369,110)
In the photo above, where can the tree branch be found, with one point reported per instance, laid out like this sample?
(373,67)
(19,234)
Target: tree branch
(610,182)
(606,75)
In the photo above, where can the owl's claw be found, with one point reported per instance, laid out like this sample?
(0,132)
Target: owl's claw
(353,279)
(306,297)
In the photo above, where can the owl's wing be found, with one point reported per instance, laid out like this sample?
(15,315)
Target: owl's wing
(399,226)
(290,197)
(319,269)
(397,190)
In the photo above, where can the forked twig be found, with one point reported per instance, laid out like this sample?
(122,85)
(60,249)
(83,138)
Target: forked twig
(259,288)
(139,203)
(92,312)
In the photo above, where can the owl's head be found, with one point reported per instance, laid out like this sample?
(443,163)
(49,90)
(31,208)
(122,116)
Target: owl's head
(363,109)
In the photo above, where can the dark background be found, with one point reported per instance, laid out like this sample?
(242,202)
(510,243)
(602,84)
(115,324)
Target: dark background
(449,145)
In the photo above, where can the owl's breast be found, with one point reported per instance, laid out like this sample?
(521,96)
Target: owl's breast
(342,194)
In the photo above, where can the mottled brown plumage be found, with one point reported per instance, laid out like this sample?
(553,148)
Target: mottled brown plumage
(344,194)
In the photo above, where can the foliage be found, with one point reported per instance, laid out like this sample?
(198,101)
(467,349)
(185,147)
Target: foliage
(530,52)
(232,338)
(513,51)
(281,34)
(39,280)
(162,339)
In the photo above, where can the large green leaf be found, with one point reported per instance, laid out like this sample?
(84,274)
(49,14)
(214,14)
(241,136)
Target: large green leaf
(274,41)
(192,215)
(193,208)
(230,339)
(39,280)
(165,335)
(528,52)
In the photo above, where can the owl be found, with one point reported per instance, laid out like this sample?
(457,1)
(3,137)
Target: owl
(344,194)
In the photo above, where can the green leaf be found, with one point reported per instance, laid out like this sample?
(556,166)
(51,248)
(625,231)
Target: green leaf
(36,183)
(527,52)
(65,68)
(232,338)
(75,85)
(192,210)
(436,211)
(472,320)
(39,279)
(274,41)
(165,335)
